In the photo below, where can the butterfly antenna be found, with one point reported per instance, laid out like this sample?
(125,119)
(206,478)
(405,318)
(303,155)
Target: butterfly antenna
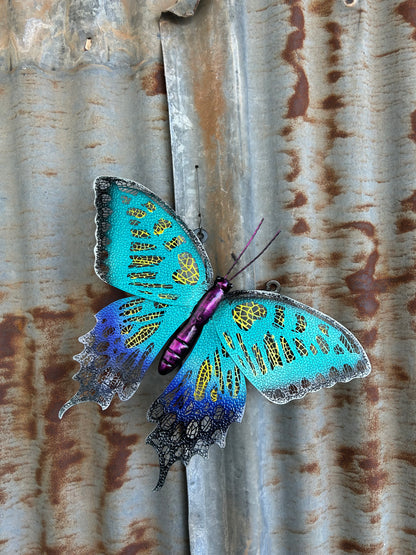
(245,248)
(256,257)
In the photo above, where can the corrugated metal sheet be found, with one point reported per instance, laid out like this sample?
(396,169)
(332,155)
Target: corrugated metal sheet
(301,112)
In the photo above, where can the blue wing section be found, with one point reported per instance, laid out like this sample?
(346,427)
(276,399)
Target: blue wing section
(284,348)
(144,248)
(195,410)
(126,339)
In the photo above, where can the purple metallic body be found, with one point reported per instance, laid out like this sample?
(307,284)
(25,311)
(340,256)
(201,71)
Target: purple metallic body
(185,337)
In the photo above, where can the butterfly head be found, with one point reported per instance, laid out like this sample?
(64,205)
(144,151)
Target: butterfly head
(222,283)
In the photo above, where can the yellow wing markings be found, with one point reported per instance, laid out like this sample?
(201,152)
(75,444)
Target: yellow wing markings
(161,226)
(245,314)
(144,261)
(203,377)
(189,272)
(136,213)
(140,336)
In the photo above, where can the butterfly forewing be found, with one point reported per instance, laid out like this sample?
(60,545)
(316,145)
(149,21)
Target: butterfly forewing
(287,349)
(144,248)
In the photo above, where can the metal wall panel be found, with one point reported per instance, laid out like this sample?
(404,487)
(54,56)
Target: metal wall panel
(299,111)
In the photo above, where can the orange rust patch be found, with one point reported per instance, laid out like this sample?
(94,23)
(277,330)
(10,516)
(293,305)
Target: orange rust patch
(346,458)
(300,227)
(336,31)
(335,257)
(404,225)
(153,81)
(369,338)
(330,182)
(286,131)
(407,10)
(400,373)
(294,164)
(411,305)
(11,329)
(409,203)
(300,200)
(311,468)
(333,102)
(372,393)
(334,76)
(321,7)
(364,462)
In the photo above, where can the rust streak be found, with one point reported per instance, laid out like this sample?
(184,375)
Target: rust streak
(412,135)
(299,101)
(294,164)
(120,451)
(351,546)
(365,227)
(140,544)
(364,286)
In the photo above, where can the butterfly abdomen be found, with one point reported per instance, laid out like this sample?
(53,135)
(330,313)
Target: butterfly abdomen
(183,340)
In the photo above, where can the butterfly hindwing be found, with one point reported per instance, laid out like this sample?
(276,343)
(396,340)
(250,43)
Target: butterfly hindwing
(207,394)
(284,348)
(144,247)
(127,337)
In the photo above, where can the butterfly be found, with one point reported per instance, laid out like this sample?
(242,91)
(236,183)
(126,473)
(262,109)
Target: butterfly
(215,339)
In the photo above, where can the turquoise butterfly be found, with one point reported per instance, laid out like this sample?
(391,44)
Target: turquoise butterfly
(284,348)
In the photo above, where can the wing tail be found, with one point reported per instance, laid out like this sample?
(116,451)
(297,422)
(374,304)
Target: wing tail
(198,406)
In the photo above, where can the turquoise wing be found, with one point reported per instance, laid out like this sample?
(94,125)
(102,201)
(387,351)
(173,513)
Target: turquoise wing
(207,394)
(126,339)
(144,248)
(285,348)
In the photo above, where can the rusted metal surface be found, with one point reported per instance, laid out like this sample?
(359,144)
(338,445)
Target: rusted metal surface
(301,112)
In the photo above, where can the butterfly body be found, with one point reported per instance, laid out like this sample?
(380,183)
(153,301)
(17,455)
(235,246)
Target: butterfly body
(216,339)
(187,335)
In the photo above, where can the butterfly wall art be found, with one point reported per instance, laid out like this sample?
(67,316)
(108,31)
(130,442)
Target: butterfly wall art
(214,339)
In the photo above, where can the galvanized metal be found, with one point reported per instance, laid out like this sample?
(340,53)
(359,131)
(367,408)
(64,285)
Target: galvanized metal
(301,112)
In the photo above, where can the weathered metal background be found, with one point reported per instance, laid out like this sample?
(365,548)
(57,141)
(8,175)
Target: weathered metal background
(303,112)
